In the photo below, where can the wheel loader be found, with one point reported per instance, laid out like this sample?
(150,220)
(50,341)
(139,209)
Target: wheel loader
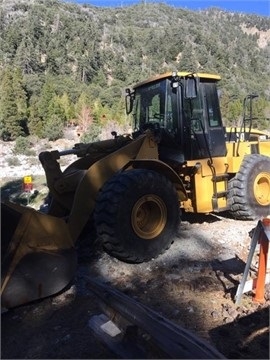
(133,187)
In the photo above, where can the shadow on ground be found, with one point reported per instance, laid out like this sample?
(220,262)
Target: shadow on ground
(248,336)
(193,218)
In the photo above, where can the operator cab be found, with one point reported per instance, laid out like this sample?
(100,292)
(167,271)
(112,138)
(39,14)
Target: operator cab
(183,109)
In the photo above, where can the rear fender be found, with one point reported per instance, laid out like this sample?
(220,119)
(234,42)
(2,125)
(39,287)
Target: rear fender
(264,147)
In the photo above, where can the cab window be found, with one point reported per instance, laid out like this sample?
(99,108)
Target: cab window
(212,107)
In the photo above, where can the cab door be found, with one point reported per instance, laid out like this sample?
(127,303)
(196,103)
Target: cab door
(203,119)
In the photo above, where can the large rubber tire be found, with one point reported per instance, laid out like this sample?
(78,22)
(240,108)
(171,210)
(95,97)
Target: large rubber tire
(249,190)
(137,215)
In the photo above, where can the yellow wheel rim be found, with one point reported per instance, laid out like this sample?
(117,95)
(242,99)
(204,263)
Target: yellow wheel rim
(149,216)
(262,188)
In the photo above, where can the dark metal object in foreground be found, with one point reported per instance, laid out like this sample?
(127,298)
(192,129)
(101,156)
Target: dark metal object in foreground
(172,340)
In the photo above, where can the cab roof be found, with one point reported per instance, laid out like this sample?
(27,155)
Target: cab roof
(180,74)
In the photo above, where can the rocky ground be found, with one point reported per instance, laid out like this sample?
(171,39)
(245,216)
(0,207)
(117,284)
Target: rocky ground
(16,166)
(193,284)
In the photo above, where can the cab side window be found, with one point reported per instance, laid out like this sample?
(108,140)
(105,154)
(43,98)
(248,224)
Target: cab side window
(193,110)
(213,112)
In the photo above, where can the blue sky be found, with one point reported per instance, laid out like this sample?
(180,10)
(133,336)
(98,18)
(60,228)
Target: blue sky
(260,7)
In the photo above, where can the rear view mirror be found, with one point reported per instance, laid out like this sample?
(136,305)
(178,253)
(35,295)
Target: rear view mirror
(190,87)
(129,101)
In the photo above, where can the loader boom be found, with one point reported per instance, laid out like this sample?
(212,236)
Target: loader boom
(113,156)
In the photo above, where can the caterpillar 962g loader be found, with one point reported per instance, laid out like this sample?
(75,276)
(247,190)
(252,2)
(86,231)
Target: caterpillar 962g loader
(179,156)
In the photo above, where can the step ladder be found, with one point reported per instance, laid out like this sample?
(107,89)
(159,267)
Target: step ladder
(221,178)
(261,236)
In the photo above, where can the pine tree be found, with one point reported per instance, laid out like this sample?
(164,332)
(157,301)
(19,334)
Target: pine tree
(47,94)
(53,128)
(67,107)
(25,56)
(35,123)
(20,94)
(55,108)
(11,112)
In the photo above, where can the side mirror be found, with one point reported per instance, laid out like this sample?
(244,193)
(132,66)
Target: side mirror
(190,87)
(129,100)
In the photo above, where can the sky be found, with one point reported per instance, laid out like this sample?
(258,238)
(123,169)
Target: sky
(259,7)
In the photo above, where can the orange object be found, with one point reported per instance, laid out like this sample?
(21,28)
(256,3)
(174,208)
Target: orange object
(264,245)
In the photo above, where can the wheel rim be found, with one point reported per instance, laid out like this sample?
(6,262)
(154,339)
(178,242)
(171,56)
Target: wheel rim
(262,188)
(149,216)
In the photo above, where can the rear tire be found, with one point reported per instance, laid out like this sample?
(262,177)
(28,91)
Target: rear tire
(137,215)
(249,190)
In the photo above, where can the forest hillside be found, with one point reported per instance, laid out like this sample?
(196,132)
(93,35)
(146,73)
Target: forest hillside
(63,63)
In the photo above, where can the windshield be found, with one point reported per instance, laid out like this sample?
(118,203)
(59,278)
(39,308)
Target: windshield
(150,104)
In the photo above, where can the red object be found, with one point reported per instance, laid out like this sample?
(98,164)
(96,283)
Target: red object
(264,245)
(27,187)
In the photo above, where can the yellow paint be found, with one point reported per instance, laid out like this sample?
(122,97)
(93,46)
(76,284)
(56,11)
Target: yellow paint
(27,180)
(181,74)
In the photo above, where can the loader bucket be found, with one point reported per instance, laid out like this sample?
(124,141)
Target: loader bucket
(38,256)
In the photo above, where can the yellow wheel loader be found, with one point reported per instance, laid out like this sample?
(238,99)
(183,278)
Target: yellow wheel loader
(179,156)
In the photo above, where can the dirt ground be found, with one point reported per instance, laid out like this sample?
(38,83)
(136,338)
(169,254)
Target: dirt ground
(192,284)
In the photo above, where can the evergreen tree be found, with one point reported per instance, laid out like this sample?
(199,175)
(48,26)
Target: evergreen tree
(12,110)
(235,112)
(20,94)
(55,108)
(53,128)
(67,107)
(35,123)
(67,50)
(25,56)
(46,96)
(83,102)
(187,60)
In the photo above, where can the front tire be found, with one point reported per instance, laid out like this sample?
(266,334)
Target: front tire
(249,190)
(137,215)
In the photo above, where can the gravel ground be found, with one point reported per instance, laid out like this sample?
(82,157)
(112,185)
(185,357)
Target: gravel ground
(192,284)
(13,165)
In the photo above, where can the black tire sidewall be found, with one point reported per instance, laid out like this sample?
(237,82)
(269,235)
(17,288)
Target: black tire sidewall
(139,183)
(260,165)
(125,230)
(243,201)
